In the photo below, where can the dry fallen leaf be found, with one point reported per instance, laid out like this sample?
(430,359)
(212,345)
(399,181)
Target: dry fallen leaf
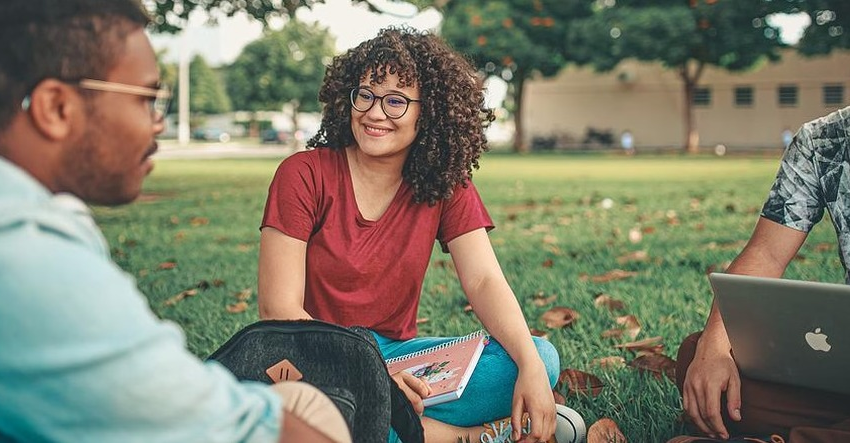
(605,430)
(548,263)
(605,300)
(822,247)
(615,274)
(559,317)
(444,264)
(167,265)
(541,300)
(648,229)
(244,294)
(612,333)
(651,344)
(633,256)
(630,324)
(580,382)
(538,333)
(199,221)
(657,364)
(237,307)
(187,293)
(611,362)
(718,267)
(635,236)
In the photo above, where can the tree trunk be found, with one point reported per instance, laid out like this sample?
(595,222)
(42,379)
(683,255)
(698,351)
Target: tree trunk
(520,144)
(689,82)
(296,107)
(254,126)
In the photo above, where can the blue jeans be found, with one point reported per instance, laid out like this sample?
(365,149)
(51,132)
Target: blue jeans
(490,391)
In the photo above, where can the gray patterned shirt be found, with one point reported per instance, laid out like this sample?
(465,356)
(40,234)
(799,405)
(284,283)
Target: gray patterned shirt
(815,175)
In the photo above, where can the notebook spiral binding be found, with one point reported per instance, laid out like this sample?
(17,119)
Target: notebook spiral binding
(447,344)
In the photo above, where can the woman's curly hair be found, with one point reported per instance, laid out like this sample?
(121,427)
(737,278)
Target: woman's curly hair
(453,116)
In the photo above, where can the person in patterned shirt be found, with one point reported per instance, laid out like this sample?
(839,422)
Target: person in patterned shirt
(813,177)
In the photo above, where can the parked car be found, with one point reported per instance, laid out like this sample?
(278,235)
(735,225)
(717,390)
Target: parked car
(277,136)
(211,134)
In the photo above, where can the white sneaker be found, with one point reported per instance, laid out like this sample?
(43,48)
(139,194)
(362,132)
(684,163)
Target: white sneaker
(569,428)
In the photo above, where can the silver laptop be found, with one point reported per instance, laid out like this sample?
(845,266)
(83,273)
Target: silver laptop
(787,331)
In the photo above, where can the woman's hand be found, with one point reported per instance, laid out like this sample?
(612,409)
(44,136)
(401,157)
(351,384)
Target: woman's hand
(415,389)
(532,394)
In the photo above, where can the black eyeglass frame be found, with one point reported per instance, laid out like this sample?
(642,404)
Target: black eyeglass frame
(375,97)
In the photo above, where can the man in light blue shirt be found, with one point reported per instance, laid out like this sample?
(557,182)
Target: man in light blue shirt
(82,358)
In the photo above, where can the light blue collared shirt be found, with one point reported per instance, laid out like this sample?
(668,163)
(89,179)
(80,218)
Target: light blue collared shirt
(82,357)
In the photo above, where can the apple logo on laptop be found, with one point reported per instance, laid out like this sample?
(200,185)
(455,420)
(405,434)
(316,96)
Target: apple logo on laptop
(817,340)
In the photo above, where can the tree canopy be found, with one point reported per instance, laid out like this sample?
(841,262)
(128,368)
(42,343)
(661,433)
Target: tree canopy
(513,39)
(281,68)
(171,15)
(684,36)
(207,93)
(829,28)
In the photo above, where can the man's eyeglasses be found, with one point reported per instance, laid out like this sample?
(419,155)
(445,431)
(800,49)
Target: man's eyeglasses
(159,97)
(393,105)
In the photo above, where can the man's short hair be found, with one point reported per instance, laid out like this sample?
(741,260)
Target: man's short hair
(63,39)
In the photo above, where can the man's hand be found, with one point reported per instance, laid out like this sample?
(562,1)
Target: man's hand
(415,389)
(711,373)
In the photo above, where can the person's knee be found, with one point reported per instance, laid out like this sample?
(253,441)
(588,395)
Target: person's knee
(313,407)
(550,358)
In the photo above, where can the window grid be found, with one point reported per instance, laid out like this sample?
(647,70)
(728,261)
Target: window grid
(787,95)
(833,94)
(744,96)
(702,96)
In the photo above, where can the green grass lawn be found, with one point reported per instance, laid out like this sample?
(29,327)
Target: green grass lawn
(196,227)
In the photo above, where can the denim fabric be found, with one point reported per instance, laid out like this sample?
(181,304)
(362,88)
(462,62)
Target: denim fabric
(490,391)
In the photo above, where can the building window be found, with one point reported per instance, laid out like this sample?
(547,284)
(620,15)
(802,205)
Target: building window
(702,96)
(744,96)
(787,95)
(833,94)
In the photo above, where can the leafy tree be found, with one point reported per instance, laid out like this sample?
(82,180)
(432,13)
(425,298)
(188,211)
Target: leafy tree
(207,94)
(829,28)
(514,39)
(682,35)
(282,68)
(171,15)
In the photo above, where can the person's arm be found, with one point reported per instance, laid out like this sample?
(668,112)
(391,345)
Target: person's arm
(712,372)
(496,305)
(281,276)
(90,362)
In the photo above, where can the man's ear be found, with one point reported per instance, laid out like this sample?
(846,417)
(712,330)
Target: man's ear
(53,107)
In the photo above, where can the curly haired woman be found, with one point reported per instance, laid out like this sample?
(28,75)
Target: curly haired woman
(349,228)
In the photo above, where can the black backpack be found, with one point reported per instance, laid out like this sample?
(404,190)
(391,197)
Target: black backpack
(344,363)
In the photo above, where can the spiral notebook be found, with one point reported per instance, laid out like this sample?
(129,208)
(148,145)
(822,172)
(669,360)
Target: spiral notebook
(446,367)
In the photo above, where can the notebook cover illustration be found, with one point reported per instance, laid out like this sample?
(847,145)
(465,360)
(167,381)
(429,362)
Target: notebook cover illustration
(446,367)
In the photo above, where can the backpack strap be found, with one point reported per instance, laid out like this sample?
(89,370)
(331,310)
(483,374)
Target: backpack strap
(403,418)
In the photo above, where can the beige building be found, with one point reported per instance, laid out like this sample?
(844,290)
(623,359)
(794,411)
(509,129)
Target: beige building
(748,110)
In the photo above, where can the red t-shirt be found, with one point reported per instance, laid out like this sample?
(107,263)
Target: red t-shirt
(362,272)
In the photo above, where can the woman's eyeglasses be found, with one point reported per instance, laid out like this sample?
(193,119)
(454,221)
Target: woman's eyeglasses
(393,105)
